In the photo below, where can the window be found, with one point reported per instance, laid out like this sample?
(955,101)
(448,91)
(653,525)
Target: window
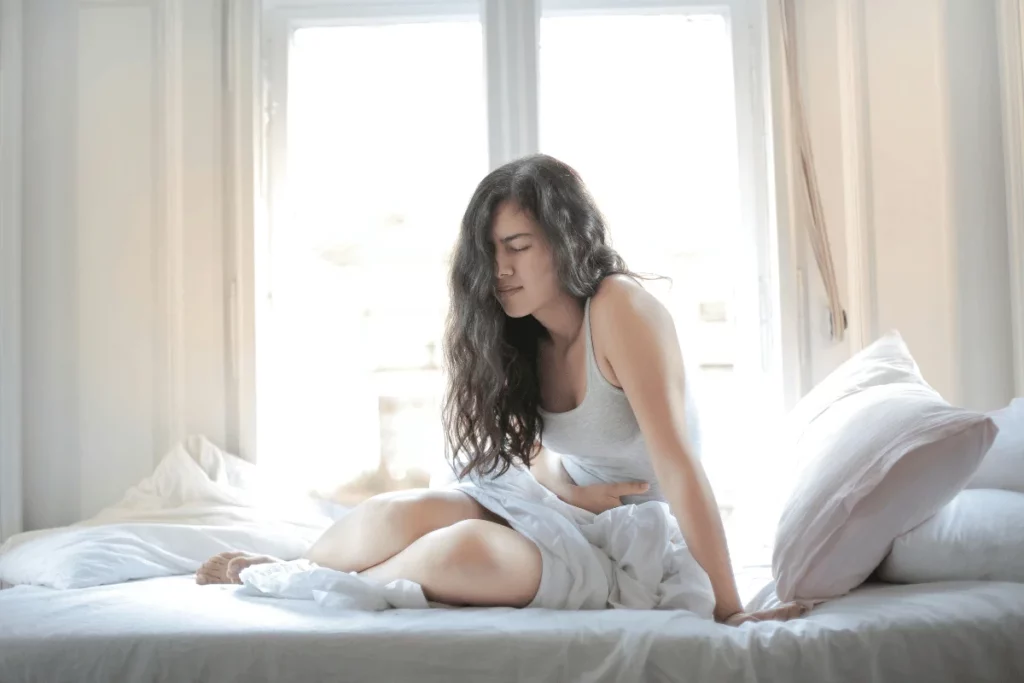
(385,136)
(383,118)
(651,127)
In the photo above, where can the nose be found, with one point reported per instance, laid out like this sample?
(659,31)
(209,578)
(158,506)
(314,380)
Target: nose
(502,265)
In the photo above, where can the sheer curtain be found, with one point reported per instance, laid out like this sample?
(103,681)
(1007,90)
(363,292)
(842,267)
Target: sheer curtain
(817,229)
(1011,55)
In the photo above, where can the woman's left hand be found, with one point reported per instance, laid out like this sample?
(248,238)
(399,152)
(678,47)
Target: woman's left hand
(790,610)
(598,498)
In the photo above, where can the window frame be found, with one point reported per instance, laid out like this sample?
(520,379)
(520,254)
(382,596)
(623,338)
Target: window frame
(770,313)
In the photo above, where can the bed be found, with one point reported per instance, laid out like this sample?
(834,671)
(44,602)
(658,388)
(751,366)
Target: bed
(114,599)
(169,629)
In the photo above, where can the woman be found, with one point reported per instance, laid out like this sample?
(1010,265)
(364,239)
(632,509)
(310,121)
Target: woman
(550,340)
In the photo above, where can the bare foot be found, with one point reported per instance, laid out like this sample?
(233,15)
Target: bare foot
(215,569)
(226,567)
(237,564)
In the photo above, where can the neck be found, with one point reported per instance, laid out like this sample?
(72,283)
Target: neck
(563,319)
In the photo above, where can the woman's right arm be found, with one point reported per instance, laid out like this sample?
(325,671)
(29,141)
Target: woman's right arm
(547,468)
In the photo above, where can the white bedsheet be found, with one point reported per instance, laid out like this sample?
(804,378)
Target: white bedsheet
(169,629)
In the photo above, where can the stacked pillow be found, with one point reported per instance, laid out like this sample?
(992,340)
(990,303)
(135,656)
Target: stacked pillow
(1003,466)
(980,534)
(880,453)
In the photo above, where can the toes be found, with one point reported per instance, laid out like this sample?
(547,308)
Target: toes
(214,570)
(232,572)
(205,576)
(237,565)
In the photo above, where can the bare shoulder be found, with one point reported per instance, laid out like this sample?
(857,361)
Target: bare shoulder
(629,326)
(621,304)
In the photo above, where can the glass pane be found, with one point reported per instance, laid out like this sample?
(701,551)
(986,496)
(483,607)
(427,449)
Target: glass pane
(386,140)
(643,106)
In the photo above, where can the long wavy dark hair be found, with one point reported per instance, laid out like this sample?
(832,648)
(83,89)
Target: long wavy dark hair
(491,415)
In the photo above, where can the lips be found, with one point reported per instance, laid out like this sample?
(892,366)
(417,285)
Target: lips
(505,291)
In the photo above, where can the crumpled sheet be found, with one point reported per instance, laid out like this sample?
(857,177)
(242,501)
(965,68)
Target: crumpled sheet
(631,557)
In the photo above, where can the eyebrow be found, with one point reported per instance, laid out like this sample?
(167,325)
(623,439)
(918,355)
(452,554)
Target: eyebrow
(506,240)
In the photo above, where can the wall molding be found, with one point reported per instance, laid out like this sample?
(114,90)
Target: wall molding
(862,305)
(169,424)
(1011,62)
(511,28)
(11,103)
(792,355)
(245,191)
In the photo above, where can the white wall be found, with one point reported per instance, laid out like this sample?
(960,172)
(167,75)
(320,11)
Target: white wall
(924,91)
(10,266)
(123,262)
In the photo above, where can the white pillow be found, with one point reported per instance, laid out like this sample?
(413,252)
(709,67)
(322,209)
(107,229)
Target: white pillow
(882,453)
(1003,466)
(979,536)
(886,361)
(199,501)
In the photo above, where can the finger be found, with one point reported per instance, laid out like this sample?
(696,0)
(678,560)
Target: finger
(629,488)
(795,610)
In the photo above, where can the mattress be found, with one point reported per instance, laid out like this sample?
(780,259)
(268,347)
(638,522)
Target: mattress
(169,629)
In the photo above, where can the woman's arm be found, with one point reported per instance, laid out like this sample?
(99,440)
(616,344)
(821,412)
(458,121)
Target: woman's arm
(548,470)
(639,341)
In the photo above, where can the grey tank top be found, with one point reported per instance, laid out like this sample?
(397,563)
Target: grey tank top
(599,440)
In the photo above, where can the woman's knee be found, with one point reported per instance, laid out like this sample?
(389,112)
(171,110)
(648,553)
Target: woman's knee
(467,544)
(479,550)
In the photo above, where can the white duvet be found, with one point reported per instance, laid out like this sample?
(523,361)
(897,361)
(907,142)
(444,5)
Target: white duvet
(201,501)
(630,557)
(198,502)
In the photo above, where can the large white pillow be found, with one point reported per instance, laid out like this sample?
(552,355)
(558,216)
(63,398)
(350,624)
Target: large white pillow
(1003,466)
(198,502)
(886,361)
(881,453)
(979,536)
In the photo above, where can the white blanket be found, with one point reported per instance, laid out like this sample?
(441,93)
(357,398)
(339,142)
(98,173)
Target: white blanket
(631,557)
(198,502)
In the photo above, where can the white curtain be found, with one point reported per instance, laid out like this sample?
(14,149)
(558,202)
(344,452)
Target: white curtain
(817,229)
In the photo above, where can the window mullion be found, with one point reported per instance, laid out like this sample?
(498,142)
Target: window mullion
(511,49)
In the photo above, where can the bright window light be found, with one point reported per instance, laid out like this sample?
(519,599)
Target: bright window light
(643,106)
(386,139)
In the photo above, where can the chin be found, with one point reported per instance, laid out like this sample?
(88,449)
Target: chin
(516,311)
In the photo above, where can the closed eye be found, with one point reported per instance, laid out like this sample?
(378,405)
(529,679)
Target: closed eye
(519,249)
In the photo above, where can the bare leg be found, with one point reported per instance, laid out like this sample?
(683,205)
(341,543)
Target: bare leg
(473,562)
(389,523)
(368,535)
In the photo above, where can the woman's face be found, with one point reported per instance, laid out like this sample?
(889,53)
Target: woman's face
(525,266)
